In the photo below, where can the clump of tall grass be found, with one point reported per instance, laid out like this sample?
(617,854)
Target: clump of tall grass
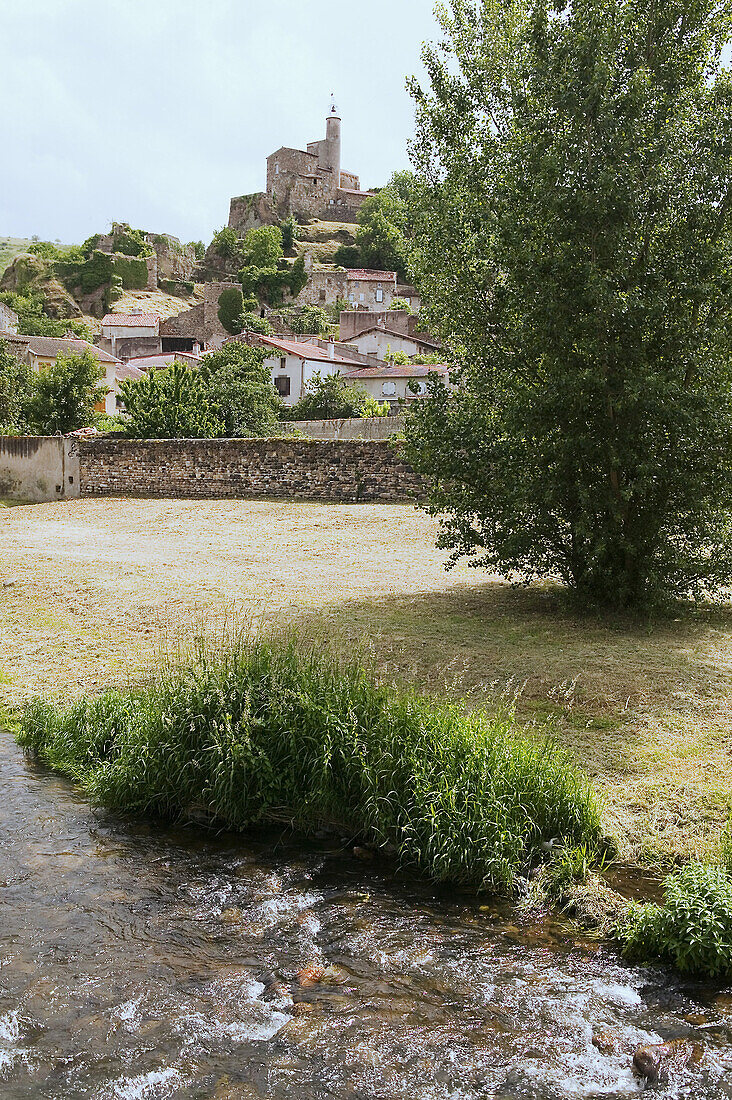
(263,730)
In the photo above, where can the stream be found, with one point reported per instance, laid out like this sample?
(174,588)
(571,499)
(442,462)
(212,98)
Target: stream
(139,961)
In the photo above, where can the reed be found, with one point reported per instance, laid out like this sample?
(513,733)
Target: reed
(262,730)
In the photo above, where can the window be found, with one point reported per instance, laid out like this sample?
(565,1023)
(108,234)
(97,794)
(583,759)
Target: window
(388,389)
(282,385)
(321,296)
(283,362)
(379,294)
(419,388)
(360,297)
(277,168)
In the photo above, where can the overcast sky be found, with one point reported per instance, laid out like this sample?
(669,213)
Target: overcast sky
(156,112)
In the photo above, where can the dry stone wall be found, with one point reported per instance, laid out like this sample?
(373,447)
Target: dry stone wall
(338,471)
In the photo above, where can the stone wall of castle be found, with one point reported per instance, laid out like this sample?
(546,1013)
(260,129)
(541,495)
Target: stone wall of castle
(302,469)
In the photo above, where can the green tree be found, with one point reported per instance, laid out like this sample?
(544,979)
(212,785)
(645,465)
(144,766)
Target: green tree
(328,397)
(16,389)
(230,309)
(348,255)
(252,322)
(240,391)
(384,226)
(225,243)
(171,403)
(574,246)
(63,395)
(198,247)
(262,247)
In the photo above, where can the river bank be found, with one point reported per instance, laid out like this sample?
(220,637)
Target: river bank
(91,589)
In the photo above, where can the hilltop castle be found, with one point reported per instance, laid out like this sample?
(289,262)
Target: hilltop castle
(308,183)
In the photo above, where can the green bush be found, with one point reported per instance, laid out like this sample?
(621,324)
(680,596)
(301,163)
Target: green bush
(230,307)
(692,929)
(260,731)
(130,242)
(88,275)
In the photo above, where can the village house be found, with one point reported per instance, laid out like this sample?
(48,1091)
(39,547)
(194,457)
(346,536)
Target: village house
(381,341)
(395,384)
(362,288)
(8,319)
(294,363)
(128,335)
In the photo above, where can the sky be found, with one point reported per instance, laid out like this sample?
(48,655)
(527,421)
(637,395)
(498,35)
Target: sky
(156,112)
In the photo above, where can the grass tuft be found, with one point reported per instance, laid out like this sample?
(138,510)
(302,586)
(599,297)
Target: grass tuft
(256,731)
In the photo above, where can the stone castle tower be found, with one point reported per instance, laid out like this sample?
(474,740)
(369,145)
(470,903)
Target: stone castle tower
(308,183)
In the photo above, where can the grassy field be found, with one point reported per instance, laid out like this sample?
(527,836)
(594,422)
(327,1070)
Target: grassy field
(89,590)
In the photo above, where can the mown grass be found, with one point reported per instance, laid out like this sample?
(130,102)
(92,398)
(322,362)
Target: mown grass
(262,730)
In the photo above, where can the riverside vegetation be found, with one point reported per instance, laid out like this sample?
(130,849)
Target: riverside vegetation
(263,731)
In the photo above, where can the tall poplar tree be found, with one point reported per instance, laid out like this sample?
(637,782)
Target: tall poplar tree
(574,170)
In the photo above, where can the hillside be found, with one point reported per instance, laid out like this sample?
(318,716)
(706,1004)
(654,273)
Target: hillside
(10,247)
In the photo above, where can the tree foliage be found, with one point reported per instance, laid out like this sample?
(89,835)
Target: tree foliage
(384,227)
(262,247)
(240,391)
(16,389)
(330,397)
(231,394)
(230,309)
(171,403)
(574,172)
(63,395)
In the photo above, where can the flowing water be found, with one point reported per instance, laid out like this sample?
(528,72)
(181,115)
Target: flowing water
(143,962)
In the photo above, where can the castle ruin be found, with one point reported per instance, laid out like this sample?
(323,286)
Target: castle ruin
(308,183)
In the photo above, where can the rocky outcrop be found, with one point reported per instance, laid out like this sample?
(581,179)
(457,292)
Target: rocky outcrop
(248,211)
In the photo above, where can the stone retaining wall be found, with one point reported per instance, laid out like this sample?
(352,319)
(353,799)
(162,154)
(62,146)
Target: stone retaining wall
(303,469)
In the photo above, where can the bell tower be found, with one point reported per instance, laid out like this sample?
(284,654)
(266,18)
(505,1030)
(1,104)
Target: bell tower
(330,156)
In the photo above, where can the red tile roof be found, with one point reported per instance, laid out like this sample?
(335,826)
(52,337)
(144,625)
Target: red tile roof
(356,273)
(305,351)
(132,320)
(391,370)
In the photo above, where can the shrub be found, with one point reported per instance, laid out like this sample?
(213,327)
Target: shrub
(347,255)
(229,313)
(225,243)
(290,232)
(692,929)
(239,389)
(16,388)
(264,731)
(400,303)
(252,322)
